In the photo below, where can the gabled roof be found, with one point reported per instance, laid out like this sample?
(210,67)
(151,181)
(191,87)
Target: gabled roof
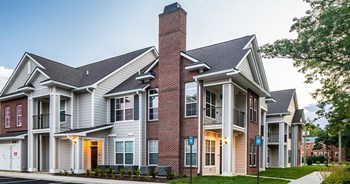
(87,74)
(283,99)
(84,131)
(222,56)
(298,116)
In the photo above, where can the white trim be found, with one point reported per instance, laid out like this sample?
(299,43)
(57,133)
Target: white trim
(148,152)
(214,73)
(57,83)
(25,55)
(36,70)
(243,58)
(126,92)
(125,65)
(246,46)
(83,134)
(148,102)
(189,57)
(196,67)
(186,116)
(145,77)
(281,114)
(92,108)
(267,100)
(71,109)
(199,88)
(26,89)
(140,129)
(9,97)
(152,66)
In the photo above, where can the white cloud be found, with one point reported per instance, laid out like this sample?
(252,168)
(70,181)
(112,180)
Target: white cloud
(5,74)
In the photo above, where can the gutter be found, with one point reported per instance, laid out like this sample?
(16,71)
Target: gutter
(199,127)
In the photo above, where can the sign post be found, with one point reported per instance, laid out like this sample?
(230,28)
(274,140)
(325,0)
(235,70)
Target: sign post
(190,142)
(258,143)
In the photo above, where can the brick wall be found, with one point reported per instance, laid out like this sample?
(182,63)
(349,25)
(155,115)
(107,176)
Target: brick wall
(13,124)
(253,130)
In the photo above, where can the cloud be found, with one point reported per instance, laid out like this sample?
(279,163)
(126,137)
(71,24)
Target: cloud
(5,74)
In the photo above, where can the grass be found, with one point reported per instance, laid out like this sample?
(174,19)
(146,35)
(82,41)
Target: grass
(291,172)
(227,180)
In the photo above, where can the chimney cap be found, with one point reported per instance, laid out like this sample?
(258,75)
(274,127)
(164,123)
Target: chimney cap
(172,7)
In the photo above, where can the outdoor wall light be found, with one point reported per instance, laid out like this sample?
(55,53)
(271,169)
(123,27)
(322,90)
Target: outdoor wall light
(73,138)
(225,140)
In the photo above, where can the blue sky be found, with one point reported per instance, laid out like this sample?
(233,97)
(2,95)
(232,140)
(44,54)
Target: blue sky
(83,31)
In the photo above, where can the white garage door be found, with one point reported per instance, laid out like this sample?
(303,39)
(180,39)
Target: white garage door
(10,157)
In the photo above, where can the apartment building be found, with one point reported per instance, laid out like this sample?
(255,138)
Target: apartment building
(284,124)
(139,108)
(333,153)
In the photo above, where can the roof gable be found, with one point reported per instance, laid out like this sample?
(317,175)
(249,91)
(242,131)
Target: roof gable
(283,100)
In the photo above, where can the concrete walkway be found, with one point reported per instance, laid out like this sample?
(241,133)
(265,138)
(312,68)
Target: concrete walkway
(38,176)
(313,178)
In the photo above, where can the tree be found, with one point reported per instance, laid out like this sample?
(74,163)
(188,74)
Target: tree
(322,52)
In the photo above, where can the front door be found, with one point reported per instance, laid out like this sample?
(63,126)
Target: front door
(93,157)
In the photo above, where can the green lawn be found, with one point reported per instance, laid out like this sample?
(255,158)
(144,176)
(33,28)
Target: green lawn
(291,172)
(227,180)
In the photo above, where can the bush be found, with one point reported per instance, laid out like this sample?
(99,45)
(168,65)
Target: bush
(121,172)
(114,176)
(318,162)
(169,173)
(107,172)
(309,160)
(321,159)
(87,173)
(153,172)
(339,175)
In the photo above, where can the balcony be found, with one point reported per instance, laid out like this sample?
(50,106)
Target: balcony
(273,137)
(41,121)
(213,116)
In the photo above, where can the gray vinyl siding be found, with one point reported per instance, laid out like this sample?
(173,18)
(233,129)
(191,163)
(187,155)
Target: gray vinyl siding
(39,78)
(20,77)
(246,69)
(263,103)
(84,110)
(103,134)
(63,91)
(74,111)
(121,130)
(115,80)
(24,154)
(64,154)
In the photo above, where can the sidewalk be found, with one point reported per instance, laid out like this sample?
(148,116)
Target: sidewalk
(38,176)
(313,178)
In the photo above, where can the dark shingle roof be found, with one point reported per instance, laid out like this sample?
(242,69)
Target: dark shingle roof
(81,130)
(77,76)
(298,115)
(283,99)
(14,134)
(222,56)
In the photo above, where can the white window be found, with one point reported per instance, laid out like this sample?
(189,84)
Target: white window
(314,153)
(210,104)
(306,146)
(320,153)
(153,152)
(188,153)
(62,111)
(7,117)
(124,108)
(209,152)
(336,154)
(19,116)
(191,99)
(153,104)
(124,152)
(252,155)
(325,154)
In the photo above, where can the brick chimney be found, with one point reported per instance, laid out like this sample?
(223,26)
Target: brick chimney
(172,40)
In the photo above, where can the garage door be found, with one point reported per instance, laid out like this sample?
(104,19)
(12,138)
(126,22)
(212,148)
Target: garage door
(9,157)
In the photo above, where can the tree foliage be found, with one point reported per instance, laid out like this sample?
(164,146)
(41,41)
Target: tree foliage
(321,51)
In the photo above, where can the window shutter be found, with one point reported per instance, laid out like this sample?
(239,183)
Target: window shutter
(136,107)
(112,110)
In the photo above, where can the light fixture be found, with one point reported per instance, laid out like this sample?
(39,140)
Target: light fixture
(73,138)
(225,140)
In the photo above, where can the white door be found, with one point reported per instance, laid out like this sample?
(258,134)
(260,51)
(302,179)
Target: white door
(15,159)
(5,154)
(10,157)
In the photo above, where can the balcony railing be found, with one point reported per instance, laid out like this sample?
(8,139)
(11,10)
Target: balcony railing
(65,122)
(238,118)
(41,121)
(273,137)
(213,116)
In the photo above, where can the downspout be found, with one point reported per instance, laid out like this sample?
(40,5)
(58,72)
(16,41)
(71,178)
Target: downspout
(199,125)
(140,127)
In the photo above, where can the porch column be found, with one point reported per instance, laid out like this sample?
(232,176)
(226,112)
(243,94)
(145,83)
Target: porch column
(227,132)
(31,154)
(54,103)
(281,145)
(264,144)
(78,148)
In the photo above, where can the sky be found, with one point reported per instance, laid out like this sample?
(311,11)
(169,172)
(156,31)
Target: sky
(83,31)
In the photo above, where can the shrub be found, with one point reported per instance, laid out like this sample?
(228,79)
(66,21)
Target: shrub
(153,172)
(87,173)
(321,159)
(130,173)
(169,173)
(114,176)
(148,175)
(136,173)
(318,162)
(338,175)
(107,172)
(309,160)
(122,173)
(100,172)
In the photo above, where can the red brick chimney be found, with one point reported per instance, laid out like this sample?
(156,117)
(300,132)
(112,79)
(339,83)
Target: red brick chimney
(172,40)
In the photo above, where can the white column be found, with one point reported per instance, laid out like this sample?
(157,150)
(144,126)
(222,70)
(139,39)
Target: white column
(31,149)
(52,139)
(264,145)
(227,132)
(281,145)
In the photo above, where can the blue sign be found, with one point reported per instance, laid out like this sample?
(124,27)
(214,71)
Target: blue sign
(258,141)
(190,140)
